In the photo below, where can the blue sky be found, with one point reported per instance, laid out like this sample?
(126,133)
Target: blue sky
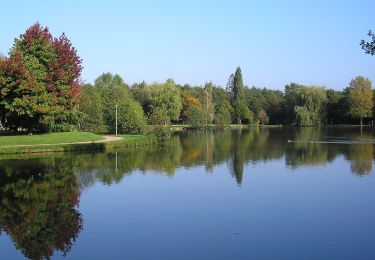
(274,42)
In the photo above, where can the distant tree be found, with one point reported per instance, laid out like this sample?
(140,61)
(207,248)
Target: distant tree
(141,93)
(223,117)
(131,119)
(219,97)
(108,80)
(40,81)
(91,107)
(263,117)
(187,102)
(369,47)
(311,107)
(336,107)
(254,99)
(166,97)
(113,91)
(159,116)
(291,100)
(208,105)
(274,105)
(246,115)
(359,98)
(195,115)
(236,87)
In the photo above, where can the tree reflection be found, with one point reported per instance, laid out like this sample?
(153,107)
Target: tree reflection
(360,157)
(37,207)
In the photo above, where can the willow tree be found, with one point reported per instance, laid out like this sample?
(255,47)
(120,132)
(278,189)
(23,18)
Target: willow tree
(311,107)
(359,98)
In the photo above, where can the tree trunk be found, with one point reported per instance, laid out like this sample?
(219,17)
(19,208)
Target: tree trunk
(361,121)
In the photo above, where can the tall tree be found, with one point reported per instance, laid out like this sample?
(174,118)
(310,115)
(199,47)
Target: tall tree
(359,98)
(40,81)
(208,105)
(235,86)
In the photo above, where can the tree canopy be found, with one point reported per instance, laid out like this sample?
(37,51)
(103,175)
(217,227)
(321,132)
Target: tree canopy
(39,82)
(359,98)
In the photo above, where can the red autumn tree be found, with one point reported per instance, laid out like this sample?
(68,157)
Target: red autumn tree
(39,82)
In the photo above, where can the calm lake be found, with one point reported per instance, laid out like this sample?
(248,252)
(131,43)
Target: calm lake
(240,194)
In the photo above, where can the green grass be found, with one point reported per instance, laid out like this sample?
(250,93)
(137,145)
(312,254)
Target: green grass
(55,140)
(51,138)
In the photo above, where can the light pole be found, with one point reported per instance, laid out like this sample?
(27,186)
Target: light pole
(116,118)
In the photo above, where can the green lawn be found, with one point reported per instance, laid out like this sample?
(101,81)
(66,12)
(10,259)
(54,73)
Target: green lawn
(51,138)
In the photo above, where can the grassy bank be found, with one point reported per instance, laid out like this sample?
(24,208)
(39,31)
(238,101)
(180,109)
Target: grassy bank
(62,142)
(50,138)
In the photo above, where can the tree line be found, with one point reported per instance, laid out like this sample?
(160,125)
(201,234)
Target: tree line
(40,91)
(165,103)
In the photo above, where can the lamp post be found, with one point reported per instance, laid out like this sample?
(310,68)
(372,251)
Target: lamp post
(116,118)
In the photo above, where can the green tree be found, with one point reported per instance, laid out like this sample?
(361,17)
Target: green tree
(263,117)
(311,107)
(195,115)
(336,107)
(274,105)
(91,107)
(235,85)
(219,97)
(208,103)
(131,119)
(141,93)
(359,98)
(166,97)
(246,115)
(113,91)
(291,100)
(223,117)
(254,100)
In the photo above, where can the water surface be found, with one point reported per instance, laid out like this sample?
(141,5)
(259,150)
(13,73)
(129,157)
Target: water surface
(246,194)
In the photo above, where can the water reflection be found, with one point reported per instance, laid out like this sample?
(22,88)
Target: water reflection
(39,196)
(37,207)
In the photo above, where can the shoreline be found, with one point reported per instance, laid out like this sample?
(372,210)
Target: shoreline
(100,145)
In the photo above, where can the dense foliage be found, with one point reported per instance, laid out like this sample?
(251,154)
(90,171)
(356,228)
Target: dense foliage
(39,86)
(360,99)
